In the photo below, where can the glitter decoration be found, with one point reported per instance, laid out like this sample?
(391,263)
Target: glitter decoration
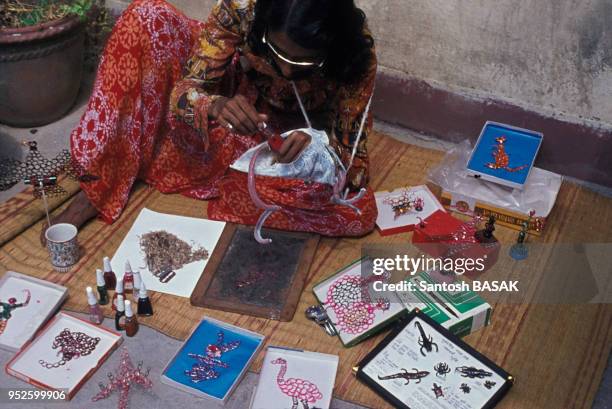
(7,307)
(405,202)
(463,238)
(205,367)
(349,298)
(125,376)
(71,345)
(501,157)
(165,253)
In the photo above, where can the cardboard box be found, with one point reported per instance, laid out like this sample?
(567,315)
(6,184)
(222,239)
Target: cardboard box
(461,312)
(70,376)
(436,238)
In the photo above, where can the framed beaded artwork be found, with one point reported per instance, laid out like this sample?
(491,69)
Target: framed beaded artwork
(26,303)
(421,364)
(293,378)
(64,354)
(352,304)
(504,154)
(213,359)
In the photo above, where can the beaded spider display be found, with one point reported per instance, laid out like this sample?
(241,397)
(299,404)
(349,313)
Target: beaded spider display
(404,203)
(355,310)
(205,367)
(125,377)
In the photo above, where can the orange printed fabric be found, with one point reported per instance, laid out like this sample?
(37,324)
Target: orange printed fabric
(147,120)
(305,206)
(125,134)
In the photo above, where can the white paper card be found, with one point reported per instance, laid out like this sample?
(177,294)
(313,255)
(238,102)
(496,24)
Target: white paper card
(197,232)
(25,304)
(290,376)
(386,217)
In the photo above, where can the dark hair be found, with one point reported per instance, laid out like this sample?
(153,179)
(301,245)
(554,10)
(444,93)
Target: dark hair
(334,25)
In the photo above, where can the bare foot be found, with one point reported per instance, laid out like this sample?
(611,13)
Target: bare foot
(78,212)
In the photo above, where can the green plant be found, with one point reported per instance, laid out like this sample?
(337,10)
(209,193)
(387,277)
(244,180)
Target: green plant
(17,13)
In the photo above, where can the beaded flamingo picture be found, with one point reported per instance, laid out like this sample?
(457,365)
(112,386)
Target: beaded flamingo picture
(292,379)
(298,389)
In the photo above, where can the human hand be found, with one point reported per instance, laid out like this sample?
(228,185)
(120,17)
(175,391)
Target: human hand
(237,113)
(293,145)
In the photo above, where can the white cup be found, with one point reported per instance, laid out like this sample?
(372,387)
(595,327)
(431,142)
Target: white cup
(62,245)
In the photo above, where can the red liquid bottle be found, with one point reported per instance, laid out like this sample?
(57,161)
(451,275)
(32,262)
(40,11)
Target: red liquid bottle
(131,323)
(128,279)
(109,276)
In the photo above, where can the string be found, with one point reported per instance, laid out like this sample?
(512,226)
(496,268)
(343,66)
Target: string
(44,197)
(356,143)
(299,100)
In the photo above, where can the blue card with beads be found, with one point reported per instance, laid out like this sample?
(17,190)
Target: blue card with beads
(505,154)
(213,360)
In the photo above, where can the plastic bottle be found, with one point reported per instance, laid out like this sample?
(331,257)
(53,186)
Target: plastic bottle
(131,323)
(109,276)
(101,285)
(119,324)
(128,279)
(144,303)
(95,312)
(137,284)
(118,291)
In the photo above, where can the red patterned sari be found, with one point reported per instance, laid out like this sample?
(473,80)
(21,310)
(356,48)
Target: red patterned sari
(137,126)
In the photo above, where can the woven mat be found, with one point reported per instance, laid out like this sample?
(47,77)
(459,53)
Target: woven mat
(556,353)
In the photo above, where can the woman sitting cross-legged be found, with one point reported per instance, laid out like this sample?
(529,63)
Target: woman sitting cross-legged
(176,102)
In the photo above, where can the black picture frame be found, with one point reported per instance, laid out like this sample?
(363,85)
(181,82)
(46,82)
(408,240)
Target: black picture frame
(399,327)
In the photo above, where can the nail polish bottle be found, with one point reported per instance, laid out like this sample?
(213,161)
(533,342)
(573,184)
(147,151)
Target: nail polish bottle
(119,322)
(137,284)
(95,313)
(118,291)
(128,279)
(101,287)
(144,303)
(131,323)
(109,275)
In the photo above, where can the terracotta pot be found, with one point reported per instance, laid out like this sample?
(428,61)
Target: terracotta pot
(40,71)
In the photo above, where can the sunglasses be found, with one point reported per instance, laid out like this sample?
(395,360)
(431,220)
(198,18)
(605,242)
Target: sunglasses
(279,54)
